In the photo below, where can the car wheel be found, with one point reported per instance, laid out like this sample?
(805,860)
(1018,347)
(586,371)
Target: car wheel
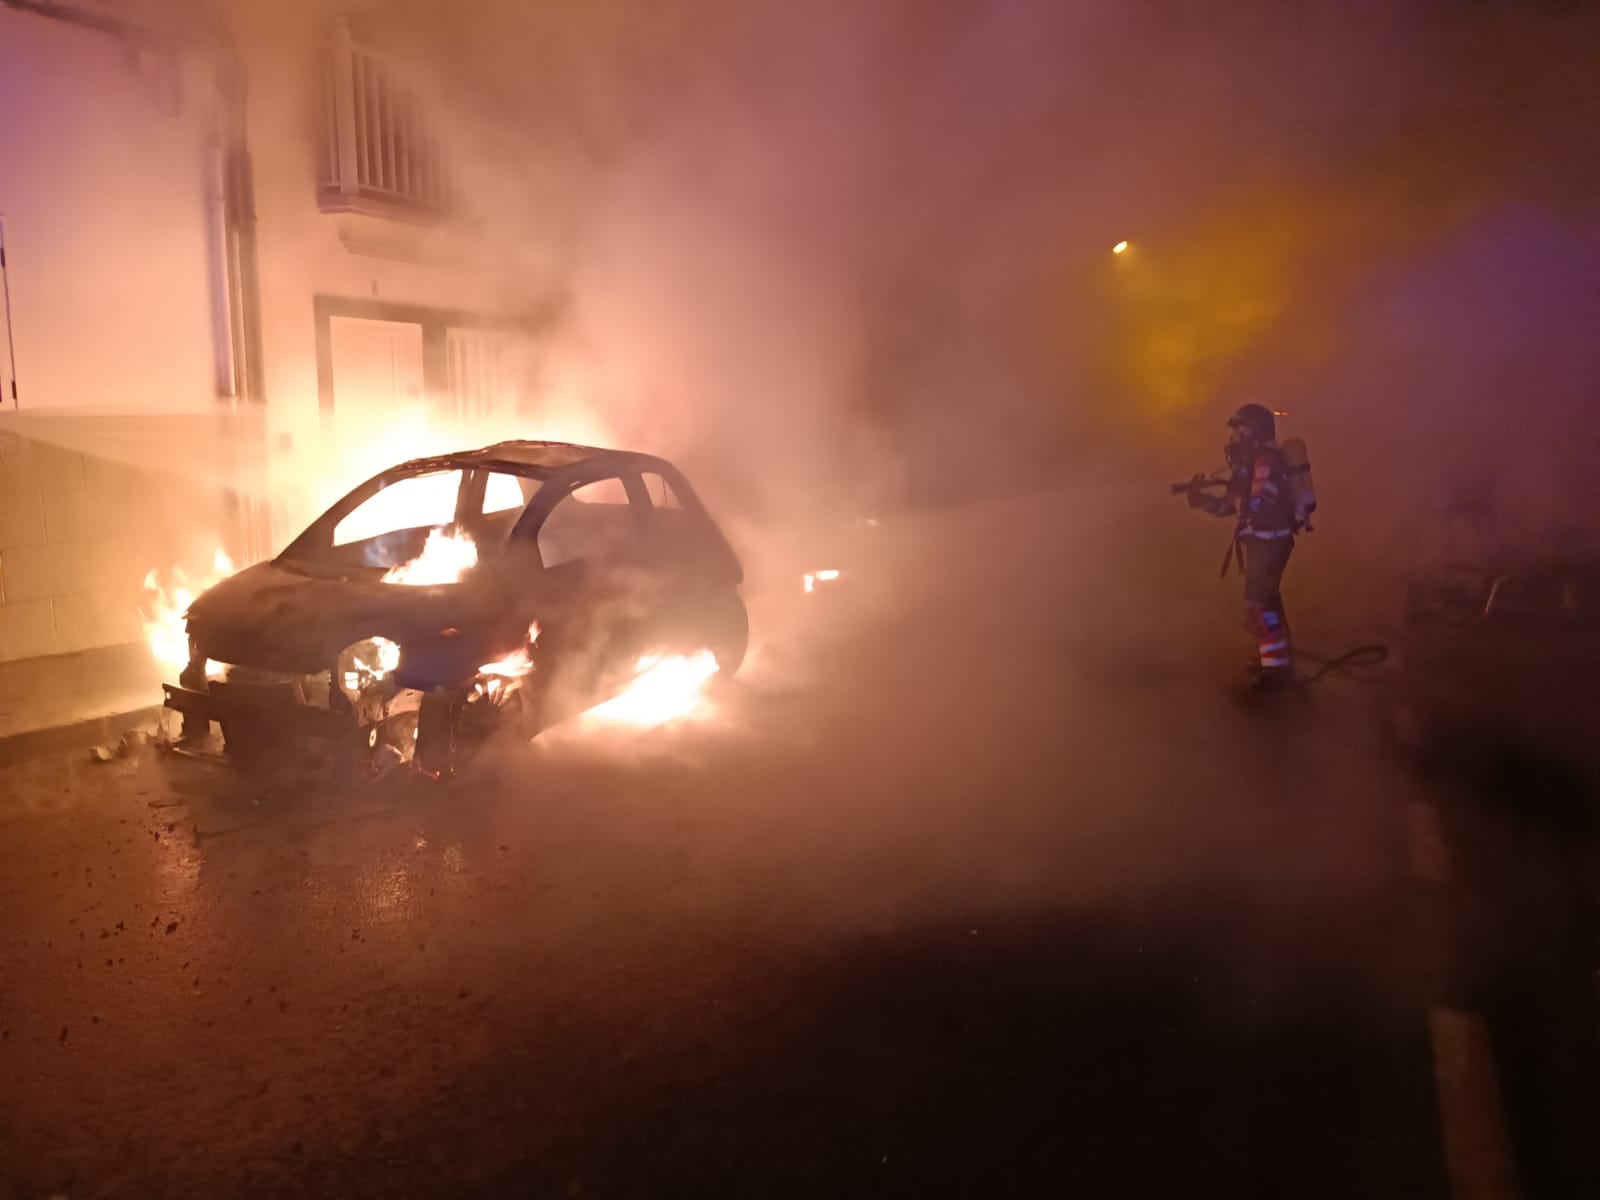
(727,632)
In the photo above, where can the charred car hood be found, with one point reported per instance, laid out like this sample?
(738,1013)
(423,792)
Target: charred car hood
(284,618)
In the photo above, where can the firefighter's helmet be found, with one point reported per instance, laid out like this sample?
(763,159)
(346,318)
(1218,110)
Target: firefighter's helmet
(1254,423)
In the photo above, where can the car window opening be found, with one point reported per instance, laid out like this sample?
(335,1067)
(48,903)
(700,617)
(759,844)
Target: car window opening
(591,521)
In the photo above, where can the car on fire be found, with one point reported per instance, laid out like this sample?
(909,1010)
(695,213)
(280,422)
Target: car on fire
(452,597)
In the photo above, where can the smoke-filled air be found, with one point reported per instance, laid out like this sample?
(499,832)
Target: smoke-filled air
(739,597)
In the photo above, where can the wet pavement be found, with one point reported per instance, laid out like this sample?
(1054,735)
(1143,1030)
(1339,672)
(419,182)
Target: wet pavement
(981,895)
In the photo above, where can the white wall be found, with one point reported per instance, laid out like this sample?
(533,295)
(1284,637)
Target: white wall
(305,252)
(102,190)
(302,253)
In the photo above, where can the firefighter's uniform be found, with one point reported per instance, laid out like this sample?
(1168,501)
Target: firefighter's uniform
(1258,495)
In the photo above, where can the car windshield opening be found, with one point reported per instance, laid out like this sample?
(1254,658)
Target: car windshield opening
(391,526)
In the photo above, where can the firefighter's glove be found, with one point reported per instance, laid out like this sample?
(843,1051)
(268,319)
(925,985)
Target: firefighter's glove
(1196,493)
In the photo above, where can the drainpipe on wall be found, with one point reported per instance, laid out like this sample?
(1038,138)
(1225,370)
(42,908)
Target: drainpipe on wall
(239,210)
(224,305)
(234,170)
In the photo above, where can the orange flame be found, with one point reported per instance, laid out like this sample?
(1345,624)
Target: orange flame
(446,556)
(666,688)
(165,627)
(516,664)
(810,579)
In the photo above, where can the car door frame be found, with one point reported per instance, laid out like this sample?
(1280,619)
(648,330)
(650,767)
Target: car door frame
(558,487)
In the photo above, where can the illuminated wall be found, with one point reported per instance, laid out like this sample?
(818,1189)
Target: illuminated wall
(102,195)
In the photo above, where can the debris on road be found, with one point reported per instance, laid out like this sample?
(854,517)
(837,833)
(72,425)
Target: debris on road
(385,759)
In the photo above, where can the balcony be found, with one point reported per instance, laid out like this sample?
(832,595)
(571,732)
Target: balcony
(381,152)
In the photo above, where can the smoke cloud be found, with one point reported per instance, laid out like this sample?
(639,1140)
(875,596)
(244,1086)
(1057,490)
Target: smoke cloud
(861,254)
(872,246)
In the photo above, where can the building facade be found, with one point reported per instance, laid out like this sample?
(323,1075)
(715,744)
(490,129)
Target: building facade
(233,281)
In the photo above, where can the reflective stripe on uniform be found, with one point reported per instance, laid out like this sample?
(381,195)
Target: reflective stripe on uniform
(1270,647)
(1267,535)
(1274,662)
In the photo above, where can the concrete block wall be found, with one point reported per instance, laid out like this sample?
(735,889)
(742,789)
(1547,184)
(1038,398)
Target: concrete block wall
(77,536)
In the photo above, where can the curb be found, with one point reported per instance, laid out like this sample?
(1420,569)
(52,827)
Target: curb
(74,735)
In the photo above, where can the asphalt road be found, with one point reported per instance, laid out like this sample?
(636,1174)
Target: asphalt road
(982,882)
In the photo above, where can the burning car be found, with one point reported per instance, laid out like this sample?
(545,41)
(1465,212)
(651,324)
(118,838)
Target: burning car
(452,597)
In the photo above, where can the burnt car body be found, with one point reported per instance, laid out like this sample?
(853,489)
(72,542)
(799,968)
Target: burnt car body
(1506,656)
(586,560)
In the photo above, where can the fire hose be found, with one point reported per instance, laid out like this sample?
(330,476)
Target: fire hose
(1371,654)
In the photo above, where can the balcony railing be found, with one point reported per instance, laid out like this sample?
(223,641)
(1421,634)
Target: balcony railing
(381,150)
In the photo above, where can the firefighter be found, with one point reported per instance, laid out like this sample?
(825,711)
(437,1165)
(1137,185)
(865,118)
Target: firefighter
(1257,492)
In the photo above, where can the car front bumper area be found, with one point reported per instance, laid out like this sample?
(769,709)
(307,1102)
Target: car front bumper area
(253,704)
(264,715)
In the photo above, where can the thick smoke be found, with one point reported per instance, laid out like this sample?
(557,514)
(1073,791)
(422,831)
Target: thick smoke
(862,252)
(871,244)
(844,259)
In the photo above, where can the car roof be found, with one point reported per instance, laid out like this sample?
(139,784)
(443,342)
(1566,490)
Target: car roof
(528,457)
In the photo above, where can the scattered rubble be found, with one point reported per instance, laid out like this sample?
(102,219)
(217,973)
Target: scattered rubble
(127,746)
(385,759)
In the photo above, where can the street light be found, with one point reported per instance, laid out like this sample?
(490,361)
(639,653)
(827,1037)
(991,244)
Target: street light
(1119,247)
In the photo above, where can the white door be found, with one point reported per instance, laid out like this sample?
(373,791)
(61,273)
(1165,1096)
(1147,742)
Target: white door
(377,367)
(485,366)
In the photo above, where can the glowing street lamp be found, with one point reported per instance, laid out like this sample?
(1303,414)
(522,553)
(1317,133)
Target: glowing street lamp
(1119,248)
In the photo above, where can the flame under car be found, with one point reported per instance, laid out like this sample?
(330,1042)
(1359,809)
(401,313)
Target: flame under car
(453,597)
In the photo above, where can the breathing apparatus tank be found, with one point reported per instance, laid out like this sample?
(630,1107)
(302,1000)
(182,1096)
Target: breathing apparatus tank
(1297,467)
